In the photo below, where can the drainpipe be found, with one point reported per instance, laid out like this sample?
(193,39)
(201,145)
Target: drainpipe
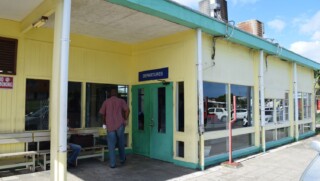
(262,108)
(59,91)
(200,97)
(295,88)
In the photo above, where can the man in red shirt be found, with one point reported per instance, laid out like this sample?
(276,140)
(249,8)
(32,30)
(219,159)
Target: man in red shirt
(115,112)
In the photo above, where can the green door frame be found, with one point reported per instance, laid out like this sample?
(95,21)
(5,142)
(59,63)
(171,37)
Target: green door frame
(150,138)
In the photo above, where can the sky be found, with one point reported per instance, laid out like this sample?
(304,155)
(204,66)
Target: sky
(294,24)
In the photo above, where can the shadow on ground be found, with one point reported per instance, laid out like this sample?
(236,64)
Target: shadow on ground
(136,168)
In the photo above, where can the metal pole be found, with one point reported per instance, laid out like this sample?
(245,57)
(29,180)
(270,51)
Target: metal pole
(230,128)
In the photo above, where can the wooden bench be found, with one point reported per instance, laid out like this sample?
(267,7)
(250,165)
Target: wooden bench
(17,159)
(92,151)
(86,152)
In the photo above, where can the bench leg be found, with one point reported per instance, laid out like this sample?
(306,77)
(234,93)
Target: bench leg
(33,163)
(45,162)
(102,155)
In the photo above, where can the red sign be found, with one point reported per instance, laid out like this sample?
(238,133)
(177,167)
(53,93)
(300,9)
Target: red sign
(6,82)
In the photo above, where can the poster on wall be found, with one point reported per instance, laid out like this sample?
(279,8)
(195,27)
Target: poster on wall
(6,82)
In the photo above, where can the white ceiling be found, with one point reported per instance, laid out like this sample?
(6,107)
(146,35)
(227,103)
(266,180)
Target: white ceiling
(98,18)
(17,9)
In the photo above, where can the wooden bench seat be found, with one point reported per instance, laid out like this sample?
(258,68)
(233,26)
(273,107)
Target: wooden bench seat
(17,159)
(86,152)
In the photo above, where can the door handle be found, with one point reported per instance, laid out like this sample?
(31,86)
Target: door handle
(151,123)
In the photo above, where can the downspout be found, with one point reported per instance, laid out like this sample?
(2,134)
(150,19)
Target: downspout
(58,103)
(262,108)
(295,88)
(200,98)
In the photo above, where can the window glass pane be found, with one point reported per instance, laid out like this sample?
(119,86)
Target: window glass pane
(96,94)
(215,146)
(181,106)
(215,97)
(244,105)
(305,105)
(282,133)
(74,104)
(286,107)
(162,110)
(299,105)
(141,109)
(271,135)
(269,111)
(306,127)
(37,104)
(242,141)
(309,106)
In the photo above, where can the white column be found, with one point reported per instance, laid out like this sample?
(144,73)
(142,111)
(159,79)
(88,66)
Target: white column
(295,88)
(262,108)
(200,97)
(59,91)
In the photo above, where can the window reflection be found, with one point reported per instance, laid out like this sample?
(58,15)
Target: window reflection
(37,105)
(141,109)
(74,104)
(95,96)
(162,110)
(215,106)
(244,105)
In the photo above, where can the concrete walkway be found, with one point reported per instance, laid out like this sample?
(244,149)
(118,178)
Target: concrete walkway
(285,163)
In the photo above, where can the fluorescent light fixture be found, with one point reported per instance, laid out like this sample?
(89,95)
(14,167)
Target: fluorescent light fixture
(40,22)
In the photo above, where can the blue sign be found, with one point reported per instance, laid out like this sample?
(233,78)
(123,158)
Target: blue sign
(155,74)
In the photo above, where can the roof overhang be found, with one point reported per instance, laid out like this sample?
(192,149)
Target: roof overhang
(185,16)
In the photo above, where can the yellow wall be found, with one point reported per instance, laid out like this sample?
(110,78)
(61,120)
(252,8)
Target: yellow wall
(91,60)
(232,63)
(305,79)
(277,75)
(178,52)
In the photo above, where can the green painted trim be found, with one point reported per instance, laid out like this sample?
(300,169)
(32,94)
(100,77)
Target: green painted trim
(307,135)
(187,17)
(277,143)
(214,160)
(186,164)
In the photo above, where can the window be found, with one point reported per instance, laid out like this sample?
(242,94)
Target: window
(37,105)
(8,55)
(215,98)
(96,94)
(74,104)
(181,106)
(244,105)
(286,107)
(306,105)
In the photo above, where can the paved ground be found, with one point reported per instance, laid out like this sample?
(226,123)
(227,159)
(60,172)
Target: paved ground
(284,164)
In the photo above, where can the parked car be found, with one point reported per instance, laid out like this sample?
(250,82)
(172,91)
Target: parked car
(240,113)
(311,173)
(38,120)
(220,112)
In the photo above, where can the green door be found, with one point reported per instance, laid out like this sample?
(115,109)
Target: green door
(152,118)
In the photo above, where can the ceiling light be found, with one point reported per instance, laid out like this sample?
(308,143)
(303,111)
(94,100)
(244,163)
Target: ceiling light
(40,22)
